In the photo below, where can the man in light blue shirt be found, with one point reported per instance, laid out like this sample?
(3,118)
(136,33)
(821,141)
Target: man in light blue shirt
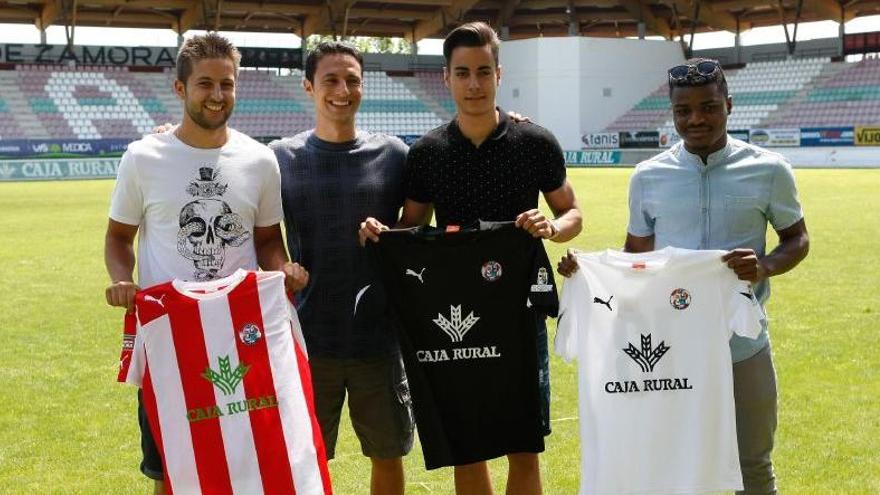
(710,191)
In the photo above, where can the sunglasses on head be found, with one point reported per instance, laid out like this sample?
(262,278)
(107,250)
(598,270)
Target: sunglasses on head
(695,73)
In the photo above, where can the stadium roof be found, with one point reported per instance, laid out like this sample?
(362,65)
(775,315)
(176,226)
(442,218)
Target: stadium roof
(417,19)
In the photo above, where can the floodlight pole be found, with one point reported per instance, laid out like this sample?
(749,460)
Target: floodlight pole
(841,30)
(737,42)
(690,48)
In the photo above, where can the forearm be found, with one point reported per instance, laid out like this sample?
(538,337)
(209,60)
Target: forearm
(119,259)
(786,255)
(271,255)
(636,244)
(569,224)
(415,214)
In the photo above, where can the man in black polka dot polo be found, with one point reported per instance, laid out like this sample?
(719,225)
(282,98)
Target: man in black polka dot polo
(485,166)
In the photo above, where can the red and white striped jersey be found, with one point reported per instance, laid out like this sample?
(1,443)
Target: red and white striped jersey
(227,387)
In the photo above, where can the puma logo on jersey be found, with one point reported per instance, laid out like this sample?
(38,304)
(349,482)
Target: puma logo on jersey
(416,275)
(748,295)
(157,301)
(358,297)
(607,303)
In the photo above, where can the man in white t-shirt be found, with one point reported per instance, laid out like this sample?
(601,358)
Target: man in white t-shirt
(203,200)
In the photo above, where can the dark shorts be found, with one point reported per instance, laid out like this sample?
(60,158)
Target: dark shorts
(151,465)
(379,403)
(544,374)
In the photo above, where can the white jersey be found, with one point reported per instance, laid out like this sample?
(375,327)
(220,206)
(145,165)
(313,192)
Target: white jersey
(227,388)
(196,208)
(651,333)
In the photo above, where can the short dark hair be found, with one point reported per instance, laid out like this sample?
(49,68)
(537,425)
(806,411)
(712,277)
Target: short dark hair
(325,48)
(688,82)
(472,34)
(201,47)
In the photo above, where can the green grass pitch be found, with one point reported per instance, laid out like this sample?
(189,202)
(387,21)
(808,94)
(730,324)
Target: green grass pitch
(67,427)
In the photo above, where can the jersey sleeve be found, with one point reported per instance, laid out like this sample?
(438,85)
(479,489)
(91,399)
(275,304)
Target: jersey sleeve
(784,209)
(553,175)
(127,200)
(542,290)
(270,212)
(132,362)
(640,222)
(744,311)
(567,328)
(415,183)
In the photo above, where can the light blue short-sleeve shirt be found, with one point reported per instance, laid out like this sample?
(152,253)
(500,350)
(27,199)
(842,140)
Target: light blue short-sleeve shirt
(725,204)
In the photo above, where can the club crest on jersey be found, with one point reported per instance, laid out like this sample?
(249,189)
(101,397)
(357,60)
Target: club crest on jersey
(491,271)
(250,334)
(680,299)
(541,284)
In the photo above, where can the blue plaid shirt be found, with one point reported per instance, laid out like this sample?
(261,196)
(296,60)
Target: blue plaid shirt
(725,204)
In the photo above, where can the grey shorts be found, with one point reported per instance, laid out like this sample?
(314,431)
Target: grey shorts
(379,403)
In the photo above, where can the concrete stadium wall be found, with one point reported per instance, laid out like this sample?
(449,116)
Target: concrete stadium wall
(579,85)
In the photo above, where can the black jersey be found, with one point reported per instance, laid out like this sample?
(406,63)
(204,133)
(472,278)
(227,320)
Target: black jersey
(466,305)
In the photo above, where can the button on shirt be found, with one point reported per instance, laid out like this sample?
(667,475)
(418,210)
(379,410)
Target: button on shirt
(724,204)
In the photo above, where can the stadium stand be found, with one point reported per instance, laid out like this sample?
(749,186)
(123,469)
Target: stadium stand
(87,102)
(843,95)
(762,93)
(56,102)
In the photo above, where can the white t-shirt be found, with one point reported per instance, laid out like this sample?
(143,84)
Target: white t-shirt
(227,388)
(651,333)
(196,208)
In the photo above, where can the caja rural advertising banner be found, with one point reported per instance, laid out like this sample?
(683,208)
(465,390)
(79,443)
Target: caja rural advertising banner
(769,138)
(827,136)
(588,158)
(62,169)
